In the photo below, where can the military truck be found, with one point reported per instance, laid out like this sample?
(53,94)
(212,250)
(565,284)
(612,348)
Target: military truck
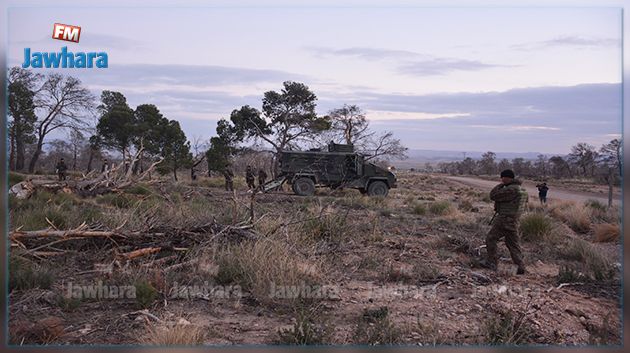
(337,167)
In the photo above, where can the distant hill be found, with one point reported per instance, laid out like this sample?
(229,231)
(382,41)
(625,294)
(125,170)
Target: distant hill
(418,158)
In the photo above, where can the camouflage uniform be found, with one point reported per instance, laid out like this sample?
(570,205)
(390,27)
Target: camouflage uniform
(61,170)
(249,178)
(262,177)
(509,201)
(229,184)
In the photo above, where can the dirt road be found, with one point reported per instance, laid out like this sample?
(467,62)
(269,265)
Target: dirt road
(553,194)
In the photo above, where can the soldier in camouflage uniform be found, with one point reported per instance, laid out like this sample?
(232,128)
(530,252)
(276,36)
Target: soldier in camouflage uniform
(60,169)
(229,176)
(509,201)
(250,178)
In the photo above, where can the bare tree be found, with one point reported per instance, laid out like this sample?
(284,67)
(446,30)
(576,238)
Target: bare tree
(77,142)
(199,148)
(65,104)
(610,154)
(542,165)
(385,146)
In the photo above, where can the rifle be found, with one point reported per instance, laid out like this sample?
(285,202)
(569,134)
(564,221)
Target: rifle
(492,219)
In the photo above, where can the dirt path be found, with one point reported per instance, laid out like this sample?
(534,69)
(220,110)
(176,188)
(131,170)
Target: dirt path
(553,194)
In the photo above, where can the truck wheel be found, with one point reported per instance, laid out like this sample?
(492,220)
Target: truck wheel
(304,187)
(377,188)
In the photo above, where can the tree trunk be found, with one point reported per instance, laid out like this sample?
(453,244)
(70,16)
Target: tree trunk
(175,172)
(610,187)
(20,150)
(38,152)
(90,159)
(74,158)
(12,165)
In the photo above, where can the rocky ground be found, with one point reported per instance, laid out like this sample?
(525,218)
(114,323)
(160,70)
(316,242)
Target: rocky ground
(398,270)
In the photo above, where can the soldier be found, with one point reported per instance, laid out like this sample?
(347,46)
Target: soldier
(542,192)
(229,176)
(249,177)
(262,177)
(60,169)
(509,201)
(105,166)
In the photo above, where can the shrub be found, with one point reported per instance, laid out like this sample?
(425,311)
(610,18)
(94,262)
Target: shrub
(305,331)
(507,328)
(375,327)
(145,294)
(535,227)
(419,209)
(606,232)
(592,258)
(440,207)
(138,189)
(117,200)
(569,274)
(178,334)
(329,227)
(465,205)
(25,275)
(596,205)
(577,217)
(261,266)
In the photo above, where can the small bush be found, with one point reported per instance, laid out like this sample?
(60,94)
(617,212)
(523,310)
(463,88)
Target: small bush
(375,328)
(25,275)
(569,274)
(536,227)
(465,205)
(117,200)
(606,232)
(592,258)
(138,189)
(577,217)
(507,328)
(262,266)
(329,227)
(440,208)
(419,209)
(145,294)
(596,205)
(305,331)
(178,334)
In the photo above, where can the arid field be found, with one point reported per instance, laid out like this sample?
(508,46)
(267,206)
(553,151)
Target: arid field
(189,263)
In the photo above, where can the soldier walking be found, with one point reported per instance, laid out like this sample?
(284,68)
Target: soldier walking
(262,177)
(229,176)
(509,201)
(105,166)
(542,192)
(249,178)
(60,169)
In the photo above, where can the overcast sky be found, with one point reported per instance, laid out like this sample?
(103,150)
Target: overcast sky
(469,79)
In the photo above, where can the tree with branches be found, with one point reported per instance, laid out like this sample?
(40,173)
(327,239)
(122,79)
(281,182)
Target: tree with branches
(65,104)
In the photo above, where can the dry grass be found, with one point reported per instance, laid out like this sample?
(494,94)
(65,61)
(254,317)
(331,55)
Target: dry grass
(174,335)
(536,227)
(592,258)
(576,216)
(606,232)
(266,264)
(441,208)
(376,328)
